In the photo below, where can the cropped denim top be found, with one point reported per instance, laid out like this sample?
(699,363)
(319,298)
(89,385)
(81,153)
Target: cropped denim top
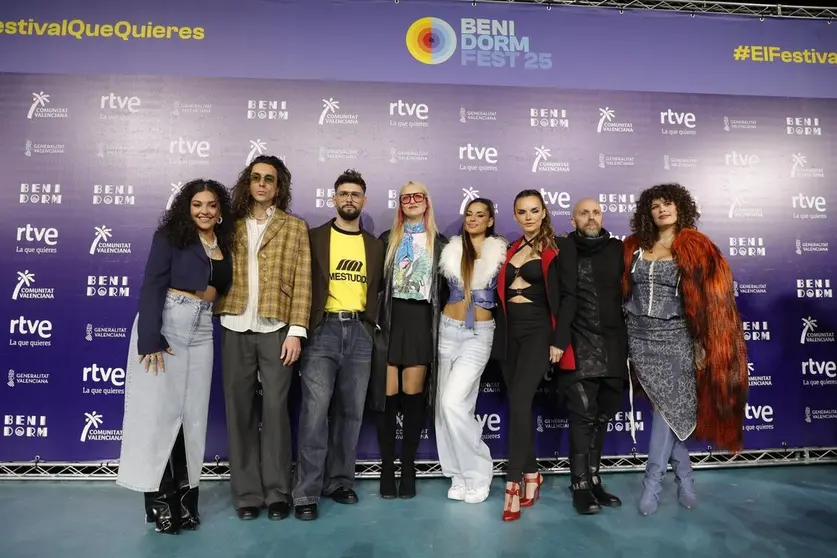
(484,298)
(483,279)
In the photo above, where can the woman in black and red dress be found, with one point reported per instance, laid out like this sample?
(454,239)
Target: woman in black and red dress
(536,288)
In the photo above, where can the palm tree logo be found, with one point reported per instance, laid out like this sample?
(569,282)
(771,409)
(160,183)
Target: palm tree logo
(94,420)
(469,194)
(607,115)
(24,279)
(257,147)
(329,106)
(736,201)
(799,161)
(808,324)
(175,189)
(38,100)
(102,234)
(541,154)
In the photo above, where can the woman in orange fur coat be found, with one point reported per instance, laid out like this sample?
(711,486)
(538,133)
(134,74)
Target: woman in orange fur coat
(685,336)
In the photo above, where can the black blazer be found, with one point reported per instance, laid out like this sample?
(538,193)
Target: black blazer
(167,268)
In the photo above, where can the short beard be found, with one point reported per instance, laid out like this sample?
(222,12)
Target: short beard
(348,216)
(583,232)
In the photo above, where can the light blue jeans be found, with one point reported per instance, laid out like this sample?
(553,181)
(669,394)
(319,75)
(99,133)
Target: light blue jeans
(157,406)
(463,354)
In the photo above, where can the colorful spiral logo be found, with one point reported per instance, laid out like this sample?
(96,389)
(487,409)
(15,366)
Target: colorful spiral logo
(431,40)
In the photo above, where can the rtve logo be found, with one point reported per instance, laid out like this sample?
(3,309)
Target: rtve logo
(184,146)
(736,159)
(674,118)
(113,101)
(98,374)
(477,153)
(489,421)
(763,413)
(560,199)
(24,326)
(405,108)
(801,201)
(47,235)
(813,367)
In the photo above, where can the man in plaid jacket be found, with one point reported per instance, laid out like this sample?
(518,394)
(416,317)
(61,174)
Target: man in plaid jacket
(263,317)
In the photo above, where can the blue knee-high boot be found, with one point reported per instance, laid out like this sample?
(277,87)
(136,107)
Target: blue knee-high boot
(659,452)
(682,467)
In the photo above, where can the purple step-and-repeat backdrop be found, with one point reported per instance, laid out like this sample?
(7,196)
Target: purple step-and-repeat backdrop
(108,110)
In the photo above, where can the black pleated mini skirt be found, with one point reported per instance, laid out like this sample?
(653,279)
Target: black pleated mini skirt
(410,333)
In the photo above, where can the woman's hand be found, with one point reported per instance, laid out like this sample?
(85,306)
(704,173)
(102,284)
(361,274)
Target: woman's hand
(555,355)
(154,361)
(700,356)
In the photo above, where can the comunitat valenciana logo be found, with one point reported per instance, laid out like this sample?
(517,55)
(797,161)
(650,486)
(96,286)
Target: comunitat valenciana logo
(431,40)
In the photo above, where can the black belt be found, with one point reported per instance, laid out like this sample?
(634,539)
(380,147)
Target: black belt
(343,316)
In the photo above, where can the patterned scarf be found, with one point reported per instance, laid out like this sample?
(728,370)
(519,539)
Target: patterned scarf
(405,249)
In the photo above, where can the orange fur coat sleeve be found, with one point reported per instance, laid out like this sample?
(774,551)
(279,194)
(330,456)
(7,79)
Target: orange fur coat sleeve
(712,316)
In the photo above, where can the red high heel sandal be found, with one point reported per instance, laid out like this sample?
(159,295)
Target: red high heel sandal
(528,502)
(509,515)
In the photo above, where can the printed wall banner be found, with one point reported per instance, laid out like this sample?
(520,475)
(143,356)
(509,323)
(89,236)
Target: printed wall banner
(109,109)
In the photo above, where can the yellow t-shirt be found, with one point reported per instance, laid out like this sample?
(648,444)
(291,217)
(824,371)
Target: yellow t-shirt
(346,272)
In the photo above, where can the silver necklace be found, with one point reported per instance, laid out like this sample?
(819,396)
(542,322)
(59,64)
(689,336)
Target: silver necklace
(207,246)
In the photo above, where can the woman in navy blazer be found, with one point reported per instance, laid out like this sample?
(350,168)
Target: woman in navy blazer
(170,355)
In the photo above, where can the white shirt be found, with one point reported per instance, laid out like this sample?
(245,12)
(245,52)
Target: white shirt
(250,320)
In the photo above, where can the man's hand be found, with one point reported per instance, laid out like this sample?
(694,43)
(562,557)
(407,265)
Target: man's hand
(291,349)
(555,355)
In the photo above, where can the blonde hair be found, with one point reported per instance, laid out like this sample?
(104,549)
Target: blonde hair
(396,234)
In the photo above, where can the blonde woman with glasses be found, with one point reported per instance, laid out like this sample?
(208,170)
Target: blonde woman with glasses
(406,341)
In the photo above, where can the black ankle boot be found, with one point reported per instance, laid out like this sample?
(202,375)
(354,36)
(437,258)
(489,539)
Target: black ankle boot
(414,416)
(385,424)
(584,501)
(165,506)
(190,519)
(596,443)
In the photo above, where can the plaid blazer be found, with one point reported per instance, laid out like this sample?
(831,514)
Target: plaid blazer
(284,272)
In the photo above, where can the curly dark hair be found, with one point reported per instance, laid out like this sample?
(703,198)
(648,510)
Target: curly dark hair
(643,224)
(243,201)
(177,224)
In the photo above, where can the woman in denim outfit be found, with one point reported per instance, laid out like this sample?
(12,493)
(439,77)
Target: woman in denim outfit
(170,356)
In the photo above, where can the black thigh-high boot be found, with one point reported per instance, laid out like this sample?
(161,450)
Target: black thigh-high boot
(385,425)
(165,504)
(596,444)
(189,516)
(413,407)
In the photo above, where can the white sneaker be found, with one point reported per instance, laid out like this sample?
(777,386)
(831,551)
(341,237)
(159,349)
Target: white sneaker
(457,492)
(476,495)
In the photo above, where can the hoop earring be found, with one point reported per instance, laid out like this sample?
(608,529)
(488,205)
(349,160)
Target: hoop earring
(220,220)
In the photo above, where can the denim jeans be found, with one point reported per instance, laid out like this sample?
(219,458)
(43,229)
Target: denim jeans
(336,364)
(463,355)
